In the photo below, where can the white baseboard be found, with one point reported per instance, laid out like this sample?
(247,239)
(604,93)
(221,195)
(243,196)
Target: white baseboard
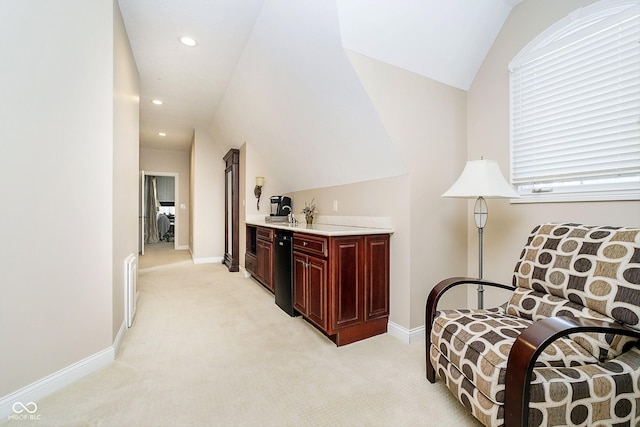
(406,335)
(244,272)
(182,248)
(211,260)
(119,337)
(54,382)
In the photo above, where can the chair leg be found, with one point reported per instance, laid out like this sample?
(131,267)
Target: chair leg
(431,372)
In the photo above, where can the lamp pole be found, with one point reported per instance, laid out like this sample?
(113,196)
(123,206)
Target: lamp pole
(480,215)
(479,179)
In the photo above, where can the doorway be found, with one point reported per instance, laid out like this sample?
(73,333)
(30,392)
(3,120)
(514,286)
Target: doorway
(159,209)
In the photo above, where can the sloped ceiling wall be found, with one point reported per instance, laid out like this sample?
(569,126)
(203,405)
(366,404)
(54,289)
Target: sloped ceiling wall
(443,40)
(296,99)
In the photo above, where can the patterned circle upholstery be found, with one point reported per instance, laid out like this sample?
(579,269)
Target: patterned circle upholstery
(594,267)
(581,379)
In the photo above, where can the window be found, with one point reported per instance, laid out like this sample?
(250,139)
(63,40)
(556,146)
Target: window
(575,108)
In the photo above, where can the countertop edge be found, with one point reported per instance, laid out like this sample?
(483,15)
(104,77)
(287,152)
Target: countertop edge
(349,230)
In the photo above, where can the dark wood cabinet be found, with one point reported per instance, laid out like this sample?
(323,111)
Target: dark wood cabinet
(250,256)
(376,277)
(264,268)
(300,282)
(232,210)
(341,284)
(258,258)
(347,284)
(317,291)
(310,288)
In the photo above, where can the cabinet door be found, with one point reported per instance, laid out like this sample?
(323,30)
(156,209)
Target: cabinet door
(347,281)
(259,260)
(317,290)
(376,276)
(300,283)
(264,255)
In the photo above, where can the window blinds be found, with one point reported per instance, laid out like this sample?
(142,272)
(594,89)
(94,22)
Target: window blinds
(575,107)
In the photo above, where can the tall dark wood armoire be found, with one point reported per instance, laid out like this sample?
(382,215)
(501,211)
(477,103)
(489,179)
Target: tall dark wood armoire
(232,210)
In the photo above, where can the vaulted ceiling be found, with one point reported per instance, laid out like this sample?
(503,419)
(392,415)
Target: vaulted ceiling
(443,40)
(276,73)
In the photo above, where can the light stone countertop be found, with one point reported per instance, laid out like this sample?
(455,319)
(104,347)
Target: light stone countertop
(322,229)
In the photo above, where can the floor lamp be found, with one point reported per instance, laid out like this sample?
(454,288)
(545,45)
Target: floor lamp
(480,180)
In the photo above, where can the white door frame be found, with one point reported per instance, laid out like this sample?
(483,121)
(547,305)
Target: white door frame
(176,202)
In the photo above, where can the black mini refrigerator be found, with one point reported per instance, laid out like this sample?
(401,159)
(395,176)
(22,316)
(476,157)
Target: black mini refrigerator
(283,274)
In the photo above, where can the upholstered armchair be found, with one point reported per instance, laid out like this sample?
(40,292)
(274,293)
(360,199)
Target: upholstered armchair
(565,348)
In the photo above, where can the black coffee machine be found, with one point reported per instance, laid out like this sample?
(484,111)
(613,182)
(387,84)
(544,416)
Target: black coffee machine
(281,206)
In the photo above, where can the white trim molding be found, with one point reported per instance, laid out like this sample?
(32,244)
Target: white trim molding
(406,335)
(210,260)
(119,337)
(244,272)
(56,381)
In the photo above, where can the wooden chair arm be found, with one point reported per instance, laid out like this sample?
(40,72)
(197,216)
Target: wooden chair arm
(443,286)
(527,348)
(431,309)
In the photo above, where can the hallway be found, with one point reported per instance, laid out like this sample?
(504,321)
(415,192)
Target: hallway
(210,348)
(162,253)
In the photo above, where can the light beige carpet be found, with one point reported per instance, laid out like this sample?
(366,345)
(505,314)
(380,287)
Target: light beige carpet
(210,348)
(162,253)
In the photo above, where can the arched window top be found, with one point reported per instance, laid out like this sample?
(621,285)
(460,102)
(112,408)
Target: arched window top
(586,20)
(575,107)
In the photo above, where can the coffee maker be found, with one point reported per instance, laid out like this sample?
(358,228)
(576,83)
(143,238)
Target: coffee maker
(280,206)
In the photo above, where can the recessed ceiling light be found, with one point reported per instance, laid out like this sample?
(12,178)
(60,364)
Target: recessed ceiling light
(157,102)
(162,134)
(188,41)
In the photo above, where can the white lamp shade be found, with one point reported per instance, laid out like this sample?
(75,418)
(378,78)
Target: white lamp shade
(259,181)
(481,178)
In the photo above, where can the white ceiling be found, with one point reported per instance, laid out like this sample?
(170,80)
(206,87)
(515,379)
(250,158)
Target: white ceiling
(443,40)
(190,81)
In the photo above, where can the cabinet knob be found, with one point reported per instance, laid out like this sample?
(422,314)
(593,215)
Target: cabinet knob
(304,243)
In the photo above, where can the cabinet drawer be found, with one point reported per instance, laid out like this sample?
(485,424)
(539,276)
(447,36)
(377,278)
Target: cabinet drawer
(265,234)
(310,244)
(250,262)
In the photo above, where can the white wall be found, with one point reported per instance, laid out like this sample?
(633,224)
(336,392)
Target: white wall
(172,161)
(315,116)
(296,99)
(488,134)
(414,36)
(57,164)
(426,120)
(207,192)
(252,165)
(126,104)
